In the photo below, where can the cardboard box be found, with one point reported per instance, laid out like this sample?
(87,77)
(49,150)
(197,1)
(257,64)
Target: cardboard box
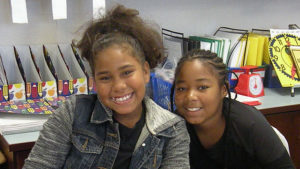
(32,78)
(59,69)
(85,66)
(49,84)
(15,81)
(3,83)
(80,82)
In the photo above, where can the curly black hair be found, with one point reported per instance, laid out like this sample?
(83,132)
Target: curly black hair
(122,26)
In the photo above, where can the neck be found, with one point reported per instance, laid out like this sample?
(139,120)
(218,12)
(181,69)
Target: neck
(211,132)
(128,120)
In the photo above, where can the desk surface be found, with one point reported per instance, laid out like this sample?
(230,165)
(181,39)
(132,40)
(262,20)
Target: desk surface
(22,137)
(273,98)
(277,98)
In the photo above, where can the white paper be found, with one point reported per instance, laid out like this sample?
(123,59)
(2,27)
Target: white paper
(233,37)
(59,9)
(19,123)
(19,11)
(274,32)
(98,8)
(174,48)
(234,58)
(242,98)
(205,45)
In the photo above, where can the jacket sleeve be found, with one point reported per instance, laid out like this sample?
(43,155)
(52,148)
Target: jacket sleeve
(268,148)
(176,154)
(53,144)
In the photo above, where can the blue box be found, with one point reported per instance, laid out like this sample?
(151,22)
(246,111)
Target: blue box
(271,79)
(160,91)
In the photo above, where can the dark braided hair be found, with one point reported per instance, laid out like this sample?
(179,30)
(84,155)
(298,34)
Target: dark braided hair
(122,26)
(208,58)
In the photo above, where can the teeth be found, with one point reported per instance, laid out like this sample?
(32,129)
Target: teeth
(122,99)
(193,109)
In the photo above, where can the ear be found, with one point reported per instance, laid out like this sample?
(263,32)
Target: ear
(146,69)
(224,91)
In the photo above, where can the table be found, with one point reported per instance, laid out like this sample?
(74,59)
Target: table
(16,147)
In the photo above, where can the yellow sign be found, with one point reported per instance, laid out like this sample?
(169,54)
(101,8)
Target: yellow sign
(280,55)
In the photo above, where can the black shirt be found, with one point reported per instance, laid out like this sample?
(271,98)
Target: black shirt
(128,139)
(248,142)
(205,158)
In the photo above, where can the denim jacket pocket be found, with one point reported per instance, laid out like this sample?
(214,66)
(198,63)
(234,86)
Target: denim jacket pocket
(86,143)
(85,151)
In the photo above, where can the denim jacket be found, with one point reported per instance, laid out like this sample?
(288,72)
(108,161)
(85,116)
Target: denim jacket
(81,135)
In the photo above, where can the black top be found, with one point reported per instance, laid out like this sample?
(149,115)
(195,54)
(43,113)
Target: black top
(128,139)
(248,142)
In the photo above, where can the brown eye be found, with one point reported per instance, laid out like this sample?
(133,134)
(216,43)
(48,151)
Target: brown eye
(180,89)
(104,78)
(202,87)
(127,72)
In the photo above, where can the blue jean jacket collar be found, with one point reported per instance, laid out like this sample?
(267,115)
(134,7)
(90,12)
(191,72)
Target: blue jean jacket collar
(157,118)
(101,113)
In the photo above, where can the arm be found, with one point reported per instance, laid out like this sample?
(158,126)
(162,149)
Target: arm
(53,144)
(269,149)
(176,153)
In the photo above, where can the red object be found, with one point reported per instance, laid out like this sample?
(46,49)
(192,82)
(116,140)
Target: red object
(250,84)
(252,103)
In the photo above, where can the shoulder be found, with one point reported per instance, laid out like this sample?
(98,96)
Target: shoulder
(159,119)
(72,105)
(248,126)
(243,115)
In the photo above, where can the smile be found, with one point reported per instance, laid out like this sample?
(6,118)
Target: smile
(193,109)
(122,99)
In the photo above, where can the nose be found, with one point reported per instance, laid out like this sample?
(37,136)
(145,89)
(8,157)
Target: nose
(119,85)
(191,95)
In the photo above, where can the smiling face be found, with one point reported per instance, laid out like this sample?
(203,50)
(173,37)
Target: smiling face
(121,79)
(198,93)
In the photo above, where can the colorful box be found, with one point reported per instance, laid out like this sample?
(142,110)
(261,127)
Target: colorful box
(49,85)
(80,83)
(15,81)
(3,83)
(30,74)
(59,69)
(85,66)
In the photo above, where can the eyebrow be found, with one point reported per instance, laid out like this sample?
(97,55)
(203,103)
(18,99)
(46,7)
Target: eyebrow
(121,68)
(198,80)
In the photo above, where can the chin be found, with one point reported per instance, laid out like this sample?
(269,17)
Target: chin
(193,121)
(124,110)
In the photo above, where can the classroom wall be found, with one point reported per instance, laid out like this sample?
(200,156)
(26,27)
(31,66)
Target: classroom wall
(192,17)
(195,17)
(41,28)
